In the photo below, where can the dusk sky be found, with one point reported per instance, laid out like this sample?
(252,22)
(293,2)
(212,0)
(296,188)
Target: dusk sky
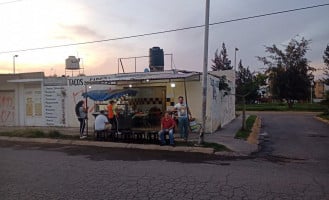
(28,24)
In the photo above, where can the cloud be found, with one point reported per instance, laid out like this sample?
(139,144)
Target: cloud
(80,31)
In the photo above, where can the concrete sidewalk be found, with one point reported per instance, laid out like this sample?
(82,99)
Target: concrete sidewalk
(224,136)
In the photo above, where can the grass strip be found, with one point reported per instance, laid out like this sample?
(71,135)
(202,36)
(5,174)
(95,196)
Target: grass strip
(314,107)
(244,134)
(324,116)
(36,133)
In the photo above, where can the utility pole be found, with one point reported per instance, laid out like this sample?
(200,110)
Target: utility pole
(205,74)
(235,50)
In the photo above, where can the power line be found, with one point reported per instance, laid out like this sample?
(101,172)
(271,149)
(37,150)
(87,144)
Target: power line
(166,31)
(8,2)
(273,13)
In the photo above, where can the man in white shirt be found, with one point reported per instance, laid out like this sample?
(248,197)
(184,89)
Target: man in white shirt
(182,112)
(101,122)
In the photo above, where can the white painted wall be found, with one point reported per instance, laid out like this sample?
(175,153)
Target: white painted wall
(220,107)
(13,103)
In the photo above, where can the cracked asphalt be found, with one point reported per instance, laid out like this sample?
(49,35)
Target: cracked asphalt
(284,169)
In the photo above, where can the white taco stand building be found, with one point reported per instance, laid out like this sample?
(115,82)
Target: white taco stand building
(30,99)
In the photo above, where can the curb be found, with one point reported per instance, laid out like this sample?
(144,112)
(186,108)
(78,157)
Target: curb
(322,120)
(203,150)
(254,135)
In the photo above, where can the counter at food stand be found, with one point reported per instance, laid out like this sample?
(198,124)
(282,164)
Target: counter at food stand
(141,120)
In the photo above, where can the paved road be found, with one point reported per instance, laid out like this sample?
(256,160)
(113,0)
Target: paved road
(34,171)
(296,135)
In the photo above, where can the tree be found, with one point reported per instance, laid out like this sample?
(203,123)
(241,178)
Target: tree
(246,89)
(289,73)
(326,62)
(221,61)
(247,83)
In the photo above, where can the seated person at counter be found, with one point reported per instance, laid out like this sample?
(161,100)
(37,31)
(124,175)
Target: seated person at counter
(101,122)
(167,124)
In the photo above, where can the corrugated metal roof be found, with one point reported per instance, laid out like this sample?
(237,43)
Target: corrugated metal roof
(165,75)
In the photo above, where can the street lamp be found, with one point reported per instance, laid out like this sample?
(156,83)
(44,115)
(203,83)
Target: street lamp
(14,62)
(235,50)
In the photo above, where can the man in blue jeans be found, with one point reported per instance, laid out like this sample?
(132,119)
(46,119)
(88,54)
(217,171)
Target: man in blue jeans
(182,112)
(167,124)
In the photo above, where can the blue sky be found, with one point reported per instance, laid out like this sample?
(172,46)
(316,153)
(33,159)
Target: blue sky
(36,23)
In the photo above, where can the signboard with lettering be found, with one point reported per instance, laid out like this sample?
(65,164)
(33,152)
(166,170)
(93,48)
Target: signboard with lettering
(54,98)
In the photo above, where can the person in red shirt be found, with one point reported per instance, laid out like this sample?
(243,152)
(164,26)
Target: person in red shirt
(167,124)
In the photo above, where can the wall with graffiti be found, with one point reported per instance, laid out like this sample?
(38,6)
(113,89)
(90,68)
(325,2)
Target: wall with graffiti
(7,108)
(75,89)
(221,104)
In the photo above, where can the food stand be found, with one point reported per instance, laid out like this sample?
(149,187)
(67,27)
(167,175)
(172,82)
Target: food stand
(121,96)
(141,110)
(130,114)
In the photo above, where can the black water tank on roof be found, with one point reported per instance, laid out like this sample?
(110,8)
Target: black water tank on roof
(156,59)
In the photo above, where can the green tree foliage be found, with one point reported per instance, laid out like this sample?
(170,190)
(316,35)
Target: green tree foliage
(289,73)
(260,79)
(247,84)
(221,61)
(326,62)
(223,85)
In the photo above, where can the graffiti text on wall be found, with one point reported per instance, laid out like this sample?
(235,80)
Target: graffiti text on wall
(7,108)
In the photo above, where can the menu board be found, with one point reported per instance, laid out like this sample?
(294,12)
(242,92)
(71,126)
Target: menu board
(54,105)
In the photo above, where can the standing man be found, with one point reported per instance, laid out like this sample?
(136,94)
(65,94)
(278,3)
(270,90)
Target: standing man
(182,112)
(111,114)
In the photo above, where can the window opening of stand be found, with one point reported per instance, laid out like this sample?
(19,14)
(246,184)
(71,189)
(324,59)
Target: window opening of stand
(137,107)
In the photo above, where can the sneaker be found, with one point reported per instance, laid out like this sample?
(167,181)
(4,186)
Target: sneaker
(83,137)
(162,144)
(119,133)
(173,145)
